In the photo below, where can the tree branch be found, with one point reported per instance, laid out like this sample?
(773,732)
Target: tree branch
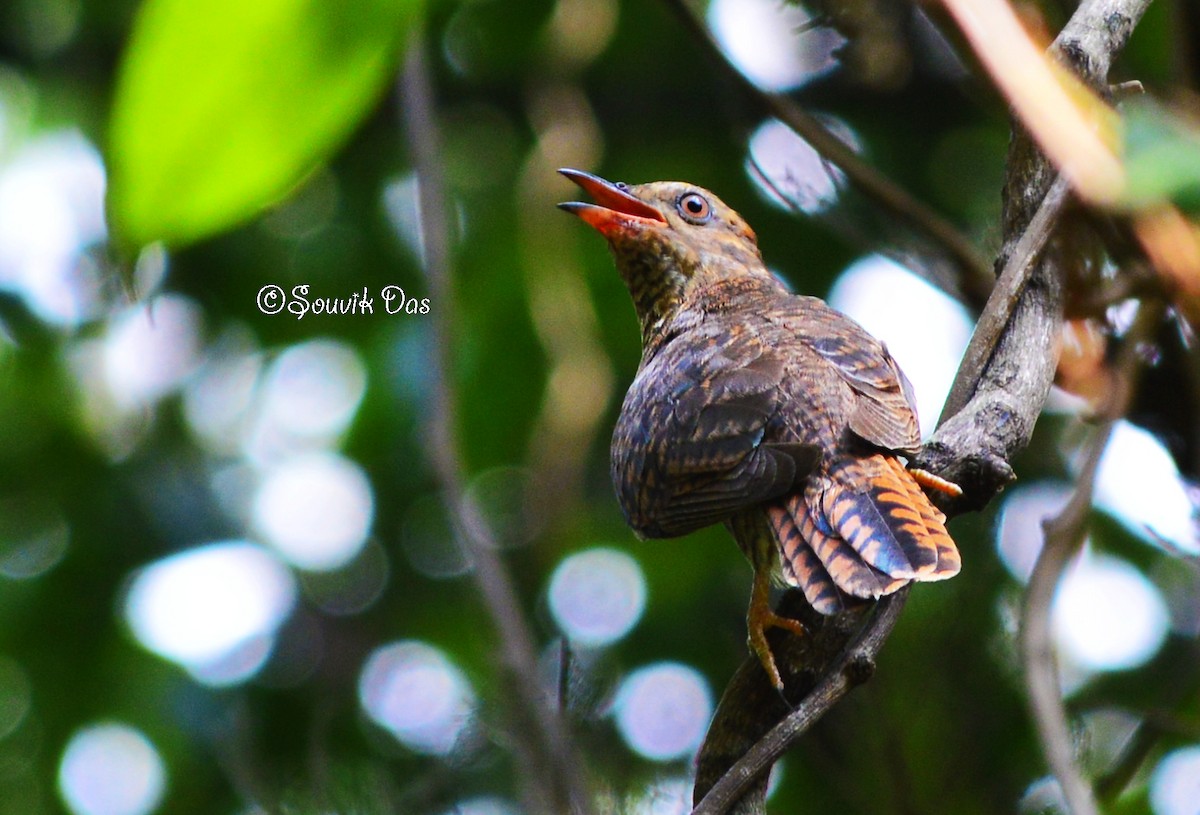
(973,446)
(818,669)
(551,773)
(1001,388)
(1089,42)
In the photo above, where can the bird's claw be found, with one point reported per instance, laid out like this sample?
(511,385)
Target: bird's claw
(760,618)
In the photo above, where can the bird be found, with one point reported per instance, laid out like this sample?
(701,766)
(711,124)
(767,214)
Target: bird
(766,411)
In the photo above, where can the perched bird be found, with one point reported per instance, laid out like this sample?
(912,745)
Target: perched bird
(766,411)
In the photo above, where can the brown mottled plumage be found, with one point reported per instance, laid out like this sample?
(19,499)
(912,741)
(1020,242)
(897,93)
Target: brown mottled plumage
(763,410)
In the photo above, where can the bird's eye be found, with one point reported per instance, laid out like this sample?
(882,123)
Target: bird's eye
(694,207)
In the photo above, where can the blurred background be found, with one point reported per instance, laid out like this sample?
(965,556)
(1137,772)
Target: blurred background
(228,582)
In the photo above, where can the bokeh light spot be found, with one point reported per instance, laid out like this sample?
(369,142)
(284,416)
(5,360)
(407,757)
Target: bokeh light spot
(316,510)
(313,389)
(883,296)
(1175,784)
(482,806)
(663,709)
(501,495)
(210,607)
(665,796)
(790,173)
(428,540)
(49,25)
(308,210)
(412,690)
(1043,797)
(1020,536)
(150,348)
(1154,503)
(217,400)
(353,588)
(33,536)
(597,596)
(759,37)
(1107,616)
(111,769)
(400,203)
(51,212)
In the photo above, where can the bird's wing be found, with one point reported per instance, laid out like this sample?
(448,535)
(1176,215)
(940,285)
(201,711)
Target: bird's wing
(885,413)
(691,448)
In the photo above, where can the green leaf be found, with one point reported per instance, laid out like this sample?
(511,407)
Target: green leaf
(1162,156)
(223,106)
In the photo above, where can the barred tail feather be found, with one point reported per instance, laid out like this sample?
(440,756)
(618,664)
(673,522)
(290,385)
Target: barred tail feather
(948,560)
(863,529)
(801,566)
(845,565)
(820,562)
(855,517)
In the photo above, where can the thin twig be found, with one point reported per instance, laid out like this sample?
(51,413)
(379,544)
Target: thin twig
(551,771)
(1137,749)
(1009,288)
(977,277)
(941,275)
(1064,538)
(1142,743)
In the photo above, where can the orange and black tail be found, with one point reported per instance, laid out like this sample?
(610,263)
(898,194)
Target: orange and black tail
(863,528)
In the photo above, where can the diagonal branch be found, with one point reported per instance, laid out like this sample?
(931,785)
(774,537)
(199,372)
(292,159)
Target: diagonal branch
(1000,306)
(976,276)
(551,772)
(1155,725)
(819,669)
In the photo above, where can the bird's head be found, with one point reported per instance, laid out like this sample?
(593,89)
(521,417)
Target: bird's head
(669,238)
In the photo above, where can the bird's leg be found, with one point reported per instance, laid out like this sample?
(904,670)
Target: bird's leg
(760,617)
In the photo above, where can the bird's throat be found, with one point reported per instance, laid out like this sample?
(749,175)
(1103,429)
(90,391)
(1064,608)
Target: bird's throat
(656,286)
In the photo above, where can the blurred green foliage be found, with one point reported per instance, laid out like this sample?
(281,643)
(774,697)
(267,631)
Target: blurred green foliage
(1163,155)
(221,107)
(260,139)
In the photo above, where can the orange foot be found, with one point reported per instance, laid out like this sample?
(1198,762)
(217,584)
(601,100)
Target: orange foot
(759,618)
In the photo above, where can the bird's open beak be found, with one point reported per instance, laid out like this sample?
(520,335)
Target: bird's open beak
(615,208)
